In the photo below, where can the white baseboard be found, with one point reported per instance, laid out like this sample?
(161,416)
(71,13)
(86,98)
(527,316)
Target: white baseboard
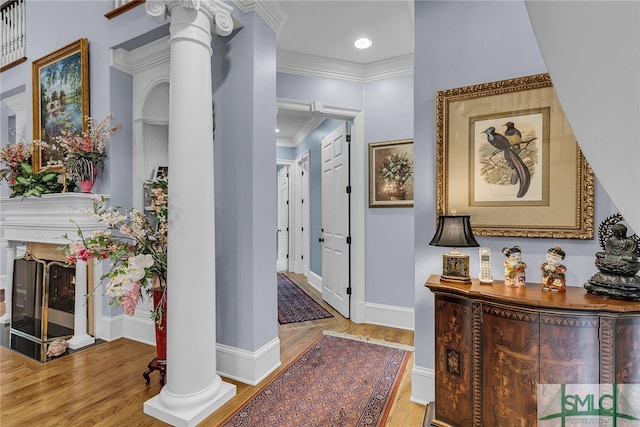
(246,366)
(109,328)
(314,280)
(359,312)
(234,363)
(423,385)
(390,315)
(377,314)
(139,329)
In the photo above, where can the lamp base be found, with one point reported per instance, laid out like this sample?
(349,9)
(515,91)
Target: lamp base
(455,267)
(446,278)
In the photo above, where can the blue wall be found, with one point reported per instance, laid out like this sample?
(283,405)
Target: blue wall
(460,44)
(284,153)
(245,187)
(389,242)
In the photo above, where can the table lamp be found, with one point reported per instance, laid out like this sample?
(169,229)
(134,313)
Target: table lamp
(454,231)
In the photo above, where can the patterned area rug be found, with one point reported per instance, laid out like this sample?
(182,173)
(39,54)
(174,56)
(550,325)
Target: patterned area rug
(336,382)
(294,305)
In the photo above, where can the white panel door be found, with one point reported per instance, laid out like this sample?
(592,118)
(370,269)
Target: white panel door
(335,220)
(283,218)
(305,215)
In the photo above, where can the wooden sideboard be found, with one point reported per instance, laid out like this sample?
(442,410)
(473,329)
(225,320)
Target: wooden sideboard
(495,344)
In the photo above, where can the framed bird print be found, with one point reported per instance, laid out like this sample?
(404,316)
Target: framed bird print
(506,155)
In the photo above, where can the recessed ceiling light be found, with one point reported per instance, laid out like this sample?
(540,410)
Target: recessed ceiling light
(363,43)
(277,130)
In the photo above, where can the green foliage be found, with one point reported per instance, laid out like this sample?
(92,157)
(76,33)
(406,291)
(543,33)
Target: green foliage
(30,184)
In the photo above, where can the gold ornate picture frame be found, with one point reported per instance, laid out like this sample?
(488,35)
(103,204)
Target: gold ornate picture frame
(391,174)
(530,180)
(60,99)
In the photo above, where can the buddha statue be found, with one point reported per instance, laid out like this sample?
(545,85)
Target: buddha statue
(620,253)
(618,266)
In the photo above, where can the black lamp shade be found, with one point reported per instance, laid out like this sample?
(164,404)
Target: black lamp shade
(454,231)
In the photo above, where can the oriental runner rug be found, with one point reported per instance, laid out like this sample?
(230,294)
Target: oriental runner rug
(294,305)
(335,382)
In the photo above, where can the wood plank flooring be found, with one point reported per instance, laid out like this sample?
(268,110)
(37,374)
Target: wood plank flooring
(103,385)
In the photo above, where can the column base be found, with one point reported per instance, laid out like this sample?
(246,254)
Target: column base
(79,341)
(191,416)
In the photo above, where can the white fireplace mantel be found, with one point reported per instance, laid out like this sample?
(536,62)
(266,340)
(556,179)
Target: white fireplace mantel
(47,219)
(52,219)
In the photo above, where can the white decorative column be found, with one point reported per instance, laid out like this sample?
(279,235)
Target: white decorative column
(80,336)
(193,389)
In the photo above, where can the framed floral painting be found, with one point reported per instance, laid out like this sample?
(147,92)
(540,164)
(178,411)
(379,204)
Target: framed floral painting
(391,174)
(506,156)
(60,100)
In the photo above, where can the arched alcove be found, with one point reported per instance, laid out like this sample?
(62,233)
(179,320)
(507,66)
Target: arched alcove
(149,67)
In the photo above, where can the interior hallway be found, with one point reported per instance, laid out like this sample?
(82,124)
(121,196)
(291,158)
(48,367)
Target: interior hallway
(103,385)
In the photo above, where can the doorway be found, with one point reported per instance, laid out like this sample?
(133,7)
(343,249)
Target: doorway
(356,117)
(282,236)
(336,233)
(293,233)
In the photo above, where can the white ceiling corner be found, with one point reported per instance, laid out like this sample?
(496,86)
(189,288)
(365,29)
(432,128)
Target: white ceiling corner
(315,39)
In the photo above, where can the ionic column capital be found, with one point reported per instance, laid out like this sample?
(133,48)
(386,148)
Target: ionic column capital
(218,12)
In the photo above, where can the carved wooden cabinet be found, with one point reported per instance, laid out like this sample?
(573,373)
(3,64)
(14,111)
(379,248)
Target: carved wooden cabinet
(495,345)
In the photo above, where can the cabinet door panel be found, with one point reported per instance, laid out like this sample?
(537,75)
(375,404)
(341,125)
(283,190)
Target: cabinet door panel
(627,351)
(510,366)
(569,349)
(453,353)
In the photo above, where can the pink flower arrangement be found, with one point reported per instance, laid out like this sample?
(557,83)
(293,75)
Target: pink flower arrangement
(136,245)
(84,150)
(12,155)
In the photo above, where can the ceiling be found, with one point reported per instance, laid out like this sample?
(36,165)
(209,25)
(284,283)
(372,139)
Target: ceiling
(315,38)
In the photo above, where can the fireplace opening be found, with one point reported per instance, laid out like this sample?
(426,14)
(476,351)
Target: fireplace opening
(43,303)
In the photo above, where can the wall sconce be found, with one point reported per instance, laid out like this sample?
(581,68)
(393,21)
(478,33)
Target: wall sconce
(454,231)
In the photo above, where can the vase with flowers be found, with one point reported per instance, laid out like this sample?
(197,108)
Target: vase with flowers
(85,150)
(136,245)
(396,170)
(19,174)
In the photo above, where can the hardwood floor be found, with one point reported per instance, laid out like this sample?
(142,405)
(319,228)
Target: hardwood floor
(103,385)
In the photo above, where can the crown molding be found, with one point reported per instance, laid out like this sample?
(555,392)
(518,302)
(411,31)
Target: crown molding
(316,66)
(142,58)
(285,142)
(273,12)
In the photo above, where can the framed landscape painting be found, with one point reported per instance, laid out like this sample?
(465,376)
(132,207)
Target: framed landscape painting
(506,156)
(60,100)
(391,174)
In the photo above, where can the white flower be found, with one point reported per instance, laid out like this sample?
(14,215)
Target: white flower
(115,286)
(137,264)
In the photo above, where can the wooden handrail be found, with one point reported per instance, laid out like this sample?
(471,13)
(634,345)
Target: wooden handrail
(123,8)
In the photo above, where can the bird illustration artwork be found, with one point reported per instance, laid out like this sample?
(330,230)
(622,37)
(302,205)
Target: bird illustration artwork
(520,172)
(513,135)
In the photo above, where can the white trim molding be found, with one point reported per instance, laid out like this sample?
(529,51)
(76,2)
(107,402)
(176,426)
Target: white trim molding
(390,315)
(249,367)
(315,280)
(306,65)
(423,385)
